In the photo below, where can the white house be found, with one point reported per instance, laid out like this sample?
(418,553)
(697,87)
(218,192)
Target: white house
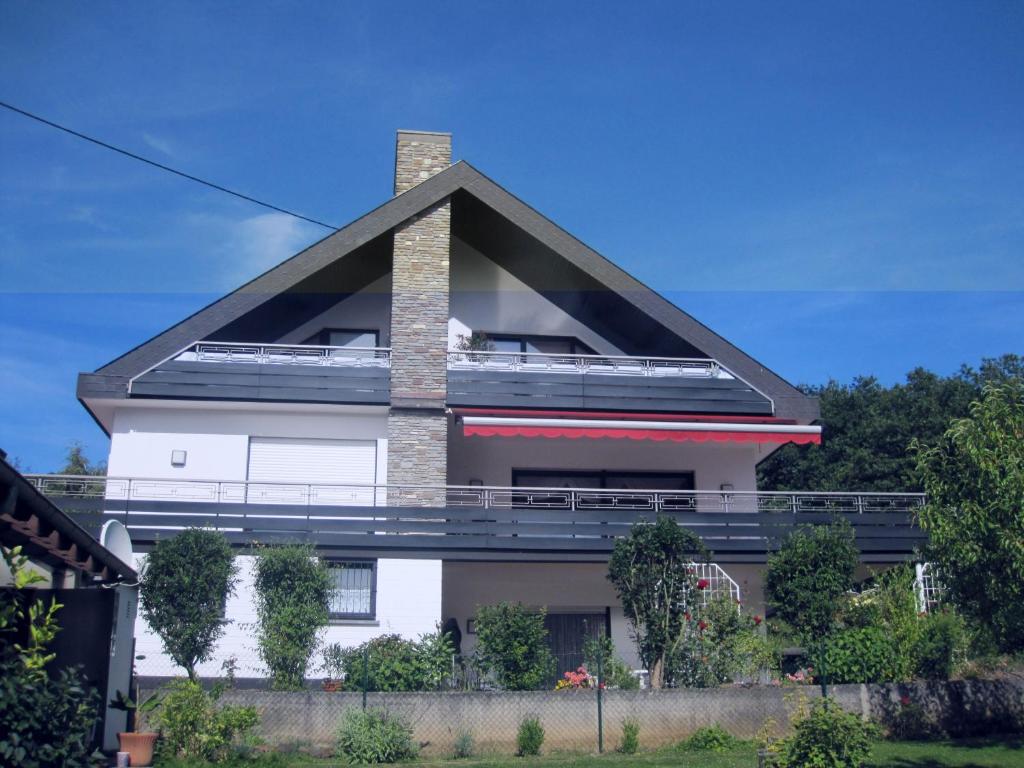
(457,402)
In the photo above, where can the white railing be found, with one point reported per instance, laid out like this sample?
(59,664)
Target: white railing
(285,354)
(475,496)
(603,364)
(719,583)
(928,588)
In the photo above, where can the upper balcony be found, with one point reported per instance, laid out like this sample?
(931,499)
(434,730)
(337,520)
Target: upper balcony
(309,373)
(477,522)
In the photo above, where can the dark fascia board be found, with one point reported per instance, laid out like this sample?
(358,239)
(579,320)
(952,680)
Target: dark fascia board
(789,401)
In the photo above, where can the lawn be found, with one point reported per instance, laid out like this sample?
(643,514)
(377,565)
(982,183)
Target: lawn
(1004,752)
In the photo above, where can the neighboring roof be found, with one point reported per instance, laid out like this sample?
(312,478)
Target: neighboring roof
(46,534)
(463,179)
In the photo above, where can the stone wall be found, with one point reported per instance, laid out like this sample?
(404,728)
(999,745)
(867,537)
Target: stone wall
(310,718)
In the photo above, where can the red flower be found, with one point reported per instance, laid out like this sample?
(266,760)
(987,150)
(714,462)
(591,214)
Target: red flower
(703,584)
(687,616)
(905,700)
(757,620)
(702,625)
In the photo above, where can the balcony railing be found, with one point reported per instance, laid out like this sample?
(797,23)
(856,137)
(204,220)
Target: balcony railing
(115,489)
(285,354)
(702,368)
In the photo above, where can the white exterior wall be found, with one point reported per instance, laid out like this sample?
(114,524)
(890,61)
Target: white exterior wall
(216,437)
(491,459)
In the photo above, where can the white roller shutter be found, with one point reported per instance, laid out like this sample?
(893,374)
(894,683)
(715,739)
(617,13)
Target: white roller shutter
(305,471)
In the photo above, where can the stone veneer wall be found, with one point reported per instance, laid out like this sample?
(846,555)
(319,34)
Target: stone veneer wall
(417,425)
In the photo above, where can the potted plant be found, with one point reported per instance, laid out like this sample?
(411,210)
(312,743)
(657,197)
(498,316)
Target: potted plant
(333,666)
(138,744)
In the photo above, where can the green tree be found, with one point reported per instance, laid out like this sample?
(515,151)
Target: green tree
(868,428)
(293,590)
(807,578)
(184,585)
(77,463)
(511,645)
(974,516)
(651,570)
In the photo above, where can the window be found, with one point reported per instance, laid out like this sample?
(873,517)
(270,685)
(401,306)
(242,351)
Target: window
(345,337)
(549,345)
(355,589)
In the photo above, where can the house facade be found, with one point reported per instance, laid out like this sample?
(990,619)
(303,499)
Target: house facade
(457,403)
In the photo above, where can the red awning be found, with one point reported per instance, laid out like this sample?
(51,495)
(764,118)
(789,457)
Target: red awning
(666,431)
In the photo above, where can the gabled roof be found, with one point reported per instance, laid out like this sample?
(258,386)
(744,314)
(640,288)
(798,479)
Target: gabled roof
(486,202)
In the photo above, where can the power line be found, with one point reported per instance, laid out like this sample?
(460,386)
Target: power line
(161,166)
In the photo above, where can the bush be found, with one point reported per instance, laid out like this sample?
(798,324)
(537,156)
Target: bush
(719,644)
(827,737)
(511,646)
(374,736)
(809,575)
(630,736)
(864,655)
(183,586)
(192,727)
(712,738)
(530,737)
(395,664)
(43,721)
(292,592)
(464,746)
(942,637)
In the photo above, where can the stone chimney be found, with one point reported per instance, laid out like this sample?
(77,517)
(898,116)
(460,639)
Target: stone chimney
(418,156)
(417,424)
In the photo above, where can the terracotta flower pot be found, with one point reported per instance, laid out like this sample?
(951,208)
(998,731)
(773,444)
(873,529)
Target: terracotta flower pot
(139,747)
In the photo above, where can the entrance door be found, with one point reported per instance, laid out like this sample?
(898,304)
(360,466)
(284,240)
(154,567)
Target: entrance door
(566,634)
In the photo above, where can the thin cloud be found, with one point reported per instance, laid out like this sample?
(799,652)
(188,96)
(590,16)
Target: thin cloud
(160,145)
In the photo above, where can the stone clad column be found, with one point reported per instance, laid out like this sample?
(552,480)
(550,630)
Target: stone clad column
(417,424)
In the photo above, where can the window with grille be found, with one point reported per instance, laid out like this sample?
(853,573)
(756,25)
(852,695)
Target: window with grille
(355,589)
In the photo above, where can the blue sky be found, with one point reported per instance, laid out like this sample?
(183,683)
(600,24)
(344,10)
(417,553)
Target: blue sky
(838,188)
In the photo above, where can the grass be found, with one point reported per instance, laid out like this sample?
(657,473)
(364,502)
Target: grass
(996,752)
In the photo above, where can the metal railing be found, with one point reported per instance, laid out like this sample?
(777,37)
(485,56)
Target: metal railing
(604,364)
(473,496)
(285,354)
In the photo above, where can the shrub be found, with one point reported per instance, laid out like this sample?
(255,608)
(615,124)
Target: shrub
(183,586)
(395,664)
(292,592)
(464,745)
(809,575)
(713,738)
(511,646)
(530,737)
(827,737)
(374,736)
(719,644)
(43,721)
(942,637)
(864,655)
(630,736)
(192,727)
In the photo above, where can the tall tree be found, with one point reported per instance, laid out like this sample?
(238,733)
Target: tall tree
(184,584)
(77,463)
(651,571)
(868,428)
(974,516)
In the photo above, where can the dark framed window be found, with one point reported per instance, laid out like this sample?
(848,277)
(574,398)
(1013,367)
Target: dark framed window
(355,589)
(550,345)
(346,337)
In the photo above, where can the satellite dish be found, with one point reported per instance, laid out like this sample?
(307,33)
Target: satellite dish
(114,536)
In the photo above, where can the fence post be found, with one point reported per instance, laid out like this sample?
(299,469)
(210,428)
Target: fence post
(366,673)
(600,692)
